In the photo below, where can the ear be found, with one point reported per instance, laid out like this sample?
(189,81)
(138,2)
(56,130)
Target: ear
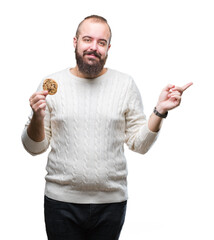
(75,42)
(109,46)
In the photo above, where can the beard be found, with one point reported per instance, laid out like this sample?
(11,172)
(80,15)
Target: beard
(92,69)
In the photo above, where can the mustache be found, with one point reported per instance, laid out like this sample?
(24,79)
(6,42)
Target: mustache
(92,52)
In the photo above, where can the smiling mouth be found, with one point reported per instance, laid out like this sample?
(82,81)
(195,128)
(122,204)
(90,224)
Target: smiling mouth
(92,55)
(92,58)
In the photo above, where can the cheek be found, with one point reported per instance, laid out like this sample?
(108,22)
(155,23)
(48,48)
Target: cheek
(81,48)
(103,52)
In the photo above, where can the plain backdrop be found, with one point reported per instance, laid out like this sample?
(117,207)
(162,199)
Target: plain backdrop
(157,42)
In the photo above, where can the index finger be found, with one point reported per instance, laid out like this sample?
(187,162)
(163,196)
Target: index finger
(45,93)
(186,86)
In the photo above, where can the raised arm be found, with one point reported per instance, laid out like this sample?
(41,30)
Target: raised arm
(36,130)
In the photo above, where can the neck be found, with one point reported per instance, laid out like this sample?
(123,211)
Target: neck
(75,71)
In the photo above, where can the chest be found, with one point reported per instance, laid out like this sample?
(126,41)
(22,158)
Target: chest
(86,105)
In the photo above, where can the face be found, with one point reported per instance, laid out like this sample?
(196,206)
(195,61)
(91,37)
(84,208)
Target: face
(91,47)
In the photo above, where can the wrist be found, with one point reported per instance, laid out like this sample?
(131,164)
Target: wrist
(37,118)
(161,110)
(161,114)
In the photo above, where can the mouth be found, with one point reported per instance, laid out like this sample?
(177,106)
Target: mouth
(92,55)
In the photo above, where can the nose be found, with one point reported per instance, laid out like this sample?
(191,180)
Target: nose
(93,46)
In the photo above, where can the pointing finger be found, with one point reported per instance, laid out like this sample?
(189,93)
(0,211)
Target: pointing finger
(186,86)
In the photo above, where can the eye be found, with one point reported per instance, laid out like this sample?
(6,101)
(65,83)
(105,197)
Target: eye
(87,40)
(102,43)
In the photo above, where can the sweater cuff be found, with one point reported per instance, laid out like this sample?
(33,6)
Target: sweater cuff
(153,134)
(32,146)
(145,139)
(149,135)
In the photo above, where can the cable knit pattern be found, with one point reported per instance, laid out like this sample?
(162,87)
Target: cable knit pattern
(87,123)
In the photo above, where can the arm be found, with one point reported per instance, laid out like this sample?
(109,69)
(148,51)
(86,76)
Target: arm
(169,99)
(155,123)
(141,134)
(138,137)
(36,130)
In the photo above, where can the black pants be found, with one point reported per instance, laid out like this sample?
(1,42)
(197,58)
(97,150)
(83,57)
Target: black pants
(70,221)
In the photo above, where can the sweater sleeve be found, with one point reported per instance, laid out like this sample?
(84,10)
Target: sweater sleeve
(31,146)
(138,137)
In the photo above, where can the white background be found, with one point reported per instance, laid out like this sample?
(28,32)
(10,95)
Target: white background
(157,42)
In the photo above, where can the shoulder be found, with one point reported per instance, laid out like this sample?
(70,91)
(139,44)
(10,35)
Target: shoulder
(58,75)
(121,76)
(127,81)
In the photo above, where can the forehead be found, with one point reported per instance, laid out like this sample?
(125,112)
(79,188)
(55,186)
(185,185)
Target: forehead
(94,29)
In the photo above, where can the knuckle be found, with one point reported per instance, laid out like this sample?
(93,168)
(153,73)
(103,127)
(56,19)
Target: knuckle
(36,98)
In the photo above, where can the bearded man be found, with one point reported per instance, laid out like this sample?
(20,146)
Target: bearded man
(86,123)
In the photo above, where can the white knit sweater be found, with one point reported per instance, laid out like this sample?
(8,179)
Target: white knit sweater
(87,123)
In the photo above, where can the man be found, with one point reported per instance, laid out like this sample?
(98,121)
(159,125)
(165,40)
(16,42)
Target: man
(87,121)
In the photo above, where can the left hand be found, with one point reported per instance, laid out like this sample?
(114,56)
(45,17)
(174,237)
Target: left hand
(170,97)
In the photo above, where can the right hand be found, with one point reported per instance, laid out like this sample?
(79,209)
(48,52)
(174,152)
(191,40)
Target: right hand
(38,104)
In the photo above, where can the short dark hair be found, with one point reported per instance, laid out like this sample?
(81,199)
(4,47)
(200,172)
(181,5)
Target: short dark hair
(95,18)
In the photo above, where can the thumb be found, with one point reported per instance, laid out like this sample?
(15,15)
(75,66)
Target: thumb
(168,87)
(45,93)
